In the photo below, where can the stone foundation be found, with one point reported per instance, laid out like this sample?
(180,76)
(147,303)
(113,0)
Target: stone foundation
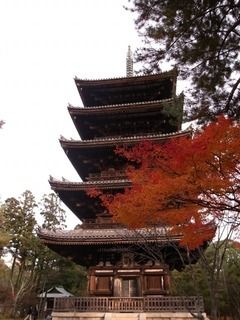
(123,316)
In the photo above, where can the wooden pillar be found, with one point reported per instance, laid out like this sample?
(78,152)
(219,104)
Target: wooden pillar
(117,287)
(91,283)
(167,279)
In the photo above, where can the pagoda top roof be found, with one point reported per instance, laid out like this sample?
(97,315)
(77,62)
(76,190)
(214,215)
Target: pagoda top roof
(99,236)
(113,141)
(96,92)
(161,75)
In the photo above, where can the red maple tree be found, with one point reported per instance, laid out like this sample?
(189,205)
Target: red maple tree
(191,185)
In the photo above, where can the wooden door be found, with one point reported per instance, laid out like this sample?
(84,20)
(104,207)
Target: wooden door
(130,287)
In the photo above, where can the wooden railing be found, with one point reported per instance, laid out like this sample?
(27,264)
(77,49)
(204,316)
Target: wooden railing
(133,304)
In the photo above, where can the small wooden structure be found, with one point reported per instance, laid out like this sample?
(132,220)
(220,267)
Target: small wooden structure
(46,298)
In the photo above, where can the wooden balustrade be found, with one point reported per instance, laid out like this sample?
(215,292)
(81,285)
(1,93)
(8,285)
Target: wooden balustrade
(133,304)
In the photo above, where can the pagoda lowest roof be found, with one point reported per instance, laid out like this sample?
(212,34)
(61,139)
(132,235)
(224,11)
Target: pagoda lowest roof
(82,245)
(99,236)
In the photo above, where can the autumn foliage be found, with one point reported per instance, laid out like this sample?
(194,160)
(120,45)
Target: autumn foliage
(189,184)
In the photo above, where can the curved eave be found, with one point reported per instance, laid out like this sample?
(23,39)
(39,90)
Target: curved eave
(97,118)
(99,242)
(75,197)
(115,141)
(123,108)
(125,80)
(87,251)
(58,185)
(104,240)
(86,155)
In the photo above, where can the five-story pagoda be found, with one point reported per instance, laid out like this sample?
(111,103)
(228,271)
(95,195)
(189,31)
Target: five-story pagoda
(117,112)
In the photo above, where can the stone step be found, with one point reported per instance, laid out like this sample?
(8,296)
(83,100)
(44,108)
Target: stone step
(123,316)
(126,316)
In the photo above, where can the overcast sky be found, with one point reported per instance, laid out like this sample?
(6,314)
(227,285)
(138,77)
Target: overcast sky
(43,45)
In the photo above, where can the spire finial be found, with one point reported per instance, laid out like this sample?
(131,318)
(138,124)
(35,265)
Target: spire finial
(129,63)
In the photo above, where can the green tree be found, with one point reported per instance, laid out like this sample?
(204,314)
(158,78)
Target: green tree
(230,276)
(31,260)
(20,222)
(4,236)
(5,289)
(34,268)
(69,275)
(195,280)
(203,39)
(52,213)
(58,270)
(191,281)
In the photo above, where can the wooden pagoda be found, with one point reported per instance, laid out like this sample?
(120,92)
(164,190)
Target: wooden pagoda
(117,112)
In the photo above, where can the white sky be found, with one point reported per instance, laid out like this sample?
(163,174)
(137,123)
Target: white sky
(43,45)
